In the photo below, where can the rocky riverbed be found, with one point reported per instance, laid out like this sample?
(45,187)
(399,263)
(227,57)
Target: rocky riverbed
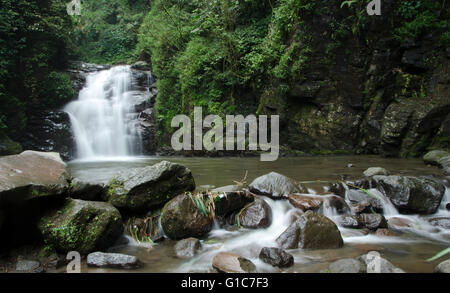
(155,218)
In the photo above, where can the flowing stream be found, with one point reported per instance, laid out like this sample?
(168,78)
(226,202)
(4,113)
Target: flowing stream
(408,250)
(102,117)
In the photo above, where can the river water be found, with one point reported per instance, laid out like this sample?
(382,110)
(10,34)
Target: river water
(408,251)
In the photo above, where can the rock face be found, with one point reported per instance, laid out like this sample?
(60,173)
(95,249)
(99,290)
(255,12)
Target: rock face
(276,186)
(143,189)
(276,257)
(305,203)
(256,215)
(311,231)
(112,260)
(412,194)
(31,176)
(226,262)
(181,218)
(49,131)
(187,248)
(443,267)
(82,226)
(92,191)
(376,171)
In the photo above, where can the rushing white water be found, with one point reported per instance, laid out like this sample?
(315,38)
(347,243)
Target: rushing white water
(102,117)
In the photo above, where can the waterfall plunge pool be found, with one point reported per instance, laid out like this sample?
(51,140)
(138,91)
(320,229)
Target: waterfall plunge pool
(408,251)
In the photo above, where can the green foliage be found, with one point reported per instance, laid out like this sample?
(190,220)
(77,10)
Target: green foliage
(106,30)
(34,36)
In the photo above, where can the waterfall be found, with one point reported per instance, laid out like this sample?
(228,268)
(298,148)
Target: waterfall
(102,117)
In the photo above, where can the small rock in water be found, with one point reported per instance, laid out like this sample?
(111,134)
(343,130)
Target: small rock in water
(399,223)
(276,257)
(376,264)
(384,232)
(311,231)
(187,248)
(376,171)
(443,267)
(29,266)
(350,166)
(305,203)
(373,221)
(112,260)
(348,221)
(440,222)
(276,186)
(256,215)
(347,266)
(339,204)
(226,262)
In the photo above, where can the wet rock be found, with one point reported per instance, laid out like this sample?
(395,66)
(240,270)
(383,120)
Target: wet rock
(372,221)
(187,248)
(376,264)
(226,262)
(311,231)
(362,208)
(445,164)
(363,201)
(112,260)
(376,171)
(347,266)
(443,267)
(29,266)
(141,65)
(305,203)
(143,189)
(181,218)
(399,223)
(86,190)
(447,206)
(230,201)
(412,194)
(441,222)
(32,176)
(433,157)
(339,204)
(276,257)
(256,215)
(338,189)
(82,226)
(276,186)
(384,233)
(348,221)
(146,227)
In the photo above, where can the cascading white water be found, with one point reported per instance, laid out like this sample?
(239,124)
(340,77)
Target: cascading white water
(102,116)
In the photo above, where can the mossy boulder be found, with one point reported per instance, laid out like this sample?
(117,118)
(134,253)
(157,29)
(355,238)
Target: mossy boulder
(85,190)
(410,195)
(30,176)
(181,218)
(83,226)
(433,157)
(142,189)
(311,231)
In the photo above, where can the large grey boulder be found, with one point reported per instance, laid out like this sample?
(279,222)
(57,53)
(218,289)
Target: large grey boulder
(143,189)
(276,186)
(412,194)
(311,231)
(83,226)
(112,260)
(32,176)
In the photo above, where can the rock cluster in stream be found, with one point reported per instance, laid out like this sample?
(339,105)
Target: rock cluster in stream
(38,195)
